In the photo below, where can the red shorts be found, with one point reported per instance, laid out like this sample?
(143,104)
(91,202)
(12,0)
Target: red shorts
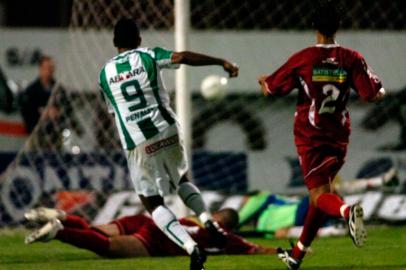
(144,228)
(320,164)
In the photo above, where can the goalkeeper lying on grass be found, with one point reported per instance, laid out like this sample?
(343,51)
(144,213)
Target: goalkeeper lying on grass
(136,236)
(278,216)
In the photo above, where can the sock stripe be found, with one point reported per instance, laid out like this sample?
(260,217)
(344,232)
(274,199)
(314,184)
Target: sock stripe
(302,247)
(171,233)
(190,196)
(204,217)
(342,210)
(332,205)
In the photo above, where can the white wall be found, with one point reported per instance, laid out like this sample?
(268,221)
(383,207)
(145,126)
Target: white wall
(81,54)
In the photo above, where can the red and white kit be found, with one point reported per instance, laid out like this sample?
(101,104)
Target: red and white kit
(324,75)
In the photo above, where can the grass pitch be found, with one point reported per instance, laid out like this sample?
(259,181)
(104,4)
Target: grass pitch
(385,250)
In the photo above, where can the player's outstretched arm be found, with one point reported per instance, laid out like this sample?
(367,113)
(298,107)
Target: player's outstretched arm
(379,96)
(265,250)
(262,83)
(197,59)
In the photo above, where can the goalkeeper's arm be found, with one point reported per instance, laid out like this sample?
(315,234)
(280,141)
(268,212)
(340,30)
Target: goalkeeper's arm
(379,96)
(197,59)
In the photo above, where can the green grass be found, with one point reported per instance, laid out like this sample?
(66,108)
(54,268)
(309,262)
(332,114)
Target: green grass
(385,250)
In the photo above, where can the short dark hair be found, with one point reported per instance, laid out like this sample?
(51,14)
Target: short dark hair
(43,58)
(327,16)
(126,34)
(230,218)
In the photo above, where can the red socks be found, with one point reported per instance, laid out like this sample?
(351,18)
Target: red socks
(314,220)
(327,204)
(333,205)
(85,238)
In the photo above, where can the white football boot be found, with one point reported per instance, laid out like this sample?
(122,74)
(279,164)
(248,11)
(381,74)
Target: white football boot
(358,232)
(285,256)
(43,214)
(45,233)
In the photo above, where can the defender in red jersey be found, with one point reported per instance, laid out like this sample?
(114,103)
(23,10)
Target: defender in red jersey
(137,235)
(324,75)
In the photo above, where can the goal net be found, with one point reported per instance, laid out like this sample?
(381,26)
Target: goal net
(73,159)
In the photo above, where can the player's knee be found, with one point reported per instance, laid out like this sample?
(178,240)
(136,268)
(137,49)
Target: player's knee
(115,250)
(316,192)
(126,246)
(184,179)
(313,199)
(151,203)
(113,254)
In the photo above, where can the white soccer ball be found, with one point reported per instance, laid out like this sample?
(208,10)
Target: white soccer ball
(213,87)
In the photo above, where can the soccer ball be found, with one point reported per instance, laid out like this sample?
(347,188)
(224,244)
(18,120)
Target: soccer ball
(213,87)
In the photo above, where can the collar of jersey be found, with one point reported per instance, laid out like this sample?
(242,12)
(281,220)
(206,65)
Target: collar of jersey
(123,54)
(327,45)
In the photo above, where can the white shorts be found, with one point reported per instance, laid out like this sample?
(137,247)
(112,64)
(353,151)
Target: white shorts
(157,165)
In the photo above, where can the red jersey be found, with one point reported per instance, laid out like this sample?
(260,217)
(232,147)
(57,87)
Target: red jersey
(158,244)
(324,75)
(234,245)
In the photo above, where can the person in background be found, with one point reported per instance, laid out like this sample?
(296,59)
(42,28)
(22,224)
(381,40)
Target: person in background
(46,104)
(35,97)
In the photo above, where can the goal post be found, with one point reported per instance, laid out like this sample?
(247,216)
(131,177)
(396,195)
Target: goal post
(183,93)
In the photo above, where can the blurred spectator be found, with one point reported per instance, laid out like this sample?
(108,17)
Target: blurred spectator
(6,96)
(46,104)
(35,97)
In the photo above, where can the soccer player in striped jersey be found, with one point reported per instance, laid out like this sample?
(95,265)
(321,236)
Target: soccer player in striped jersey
(324,74)
(135,94)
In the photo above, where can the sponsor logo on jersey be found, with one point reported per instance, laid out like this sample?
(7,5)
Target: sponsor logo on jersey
(139,115)
(121,77)
(135,72)
(331,61)
(338,75)
(116,79)
(155,147)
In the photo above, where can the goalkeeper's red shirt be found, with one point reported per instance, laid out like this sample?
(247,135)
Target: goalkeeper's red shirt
(324,75)
(158,244)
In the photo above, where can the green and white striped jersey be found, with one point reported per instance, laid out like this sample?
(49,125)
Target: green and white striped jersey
(134,92)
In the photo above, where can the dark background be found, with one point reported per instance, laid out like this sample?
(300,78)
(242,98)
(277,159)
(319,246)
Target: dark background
(272,14)
(35,13)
